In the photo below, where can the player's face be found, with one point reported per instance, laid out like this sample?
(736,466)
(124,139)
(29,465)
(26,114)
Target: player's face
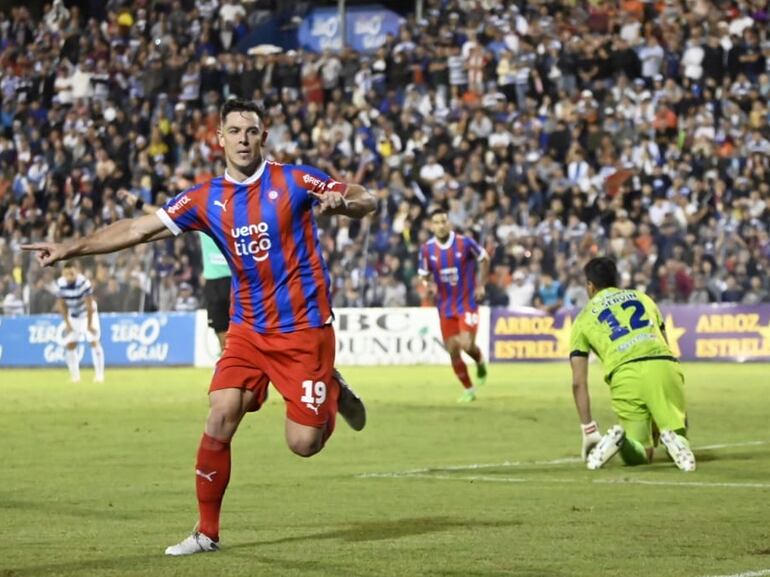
(440,226)
(69,275)
(242,136)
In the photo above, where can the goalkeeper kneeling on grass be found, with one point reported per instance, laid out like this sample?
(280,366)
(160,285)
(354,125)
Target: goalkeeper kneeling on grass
(625,329)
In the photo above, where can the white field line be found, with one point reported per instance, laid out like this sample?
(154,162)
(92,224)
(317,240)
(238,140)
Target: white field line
(760,573)
(497,479)
(683,483)
(514,464)
(731,445)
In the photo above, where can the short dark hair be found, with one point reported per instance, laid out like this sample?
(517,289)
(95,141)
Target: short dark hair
(239,105)
(68,264)
(602,272)
(436,211)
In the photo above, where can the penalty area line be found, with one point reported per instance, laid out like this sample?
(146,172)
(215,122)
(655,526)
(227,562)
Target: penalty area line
(438,476)
(760,573)
(515,464)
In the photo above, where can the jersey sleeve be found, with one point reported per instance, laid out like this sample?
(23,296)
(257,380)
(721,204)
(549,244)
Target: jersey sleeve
(475,249)
(578,342)
(185,212)
(313,180)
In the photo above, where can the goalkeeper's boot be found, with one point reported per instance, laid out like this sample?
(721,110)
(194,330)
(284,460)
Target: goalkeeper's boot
(481,373)
(606,448)
(679,450)
(350,405)
(197,542)
(468,396)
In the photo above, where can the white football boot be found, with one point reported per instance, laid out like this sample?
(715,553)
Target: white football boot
(197,542)
(679,450)
(606,448)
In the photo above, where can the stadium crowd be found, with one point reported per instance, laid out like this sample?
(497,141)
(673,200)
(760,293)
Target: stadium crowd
(551,130)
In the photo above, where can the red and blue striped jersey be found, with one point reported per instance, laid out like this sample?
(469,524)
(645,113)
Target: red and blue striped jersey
(453,267)
(266,230)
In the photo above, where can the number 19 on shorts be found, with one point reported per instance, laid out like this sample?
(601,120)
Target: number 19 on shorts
(314,392)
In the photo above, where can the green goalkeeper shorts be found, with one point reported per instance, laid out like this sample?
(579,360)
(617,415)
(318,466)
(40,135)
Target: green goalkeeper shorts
(647,391)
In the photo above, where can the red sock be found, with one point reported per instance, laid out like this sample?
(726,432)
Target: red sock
(475,354)
(458,365)
(212,473)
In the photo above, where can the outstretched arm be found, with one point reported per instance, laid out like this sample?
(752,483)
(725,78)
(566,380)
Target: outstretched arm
(133,201)
(117,236)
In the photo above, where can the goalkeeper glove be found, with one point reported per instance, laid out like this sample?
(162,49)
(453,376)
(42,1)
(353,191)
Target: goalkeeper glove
(591,438)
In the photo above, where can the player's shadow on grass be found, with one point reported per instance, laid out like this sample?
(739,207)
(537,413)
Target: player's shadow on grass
(706,455)
(391,529)
(356,532)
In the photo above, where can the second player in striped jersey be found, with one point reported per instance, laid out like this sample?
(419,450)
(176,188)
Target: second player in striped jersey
(458,268)
(81,319)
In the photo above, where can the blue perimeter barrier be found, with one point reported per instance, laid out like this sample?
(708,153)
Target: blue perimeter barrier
(129,339)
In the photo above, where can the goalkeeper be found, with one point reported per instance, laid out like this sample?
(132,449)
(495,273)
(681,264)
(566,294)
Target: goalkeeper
(626,331)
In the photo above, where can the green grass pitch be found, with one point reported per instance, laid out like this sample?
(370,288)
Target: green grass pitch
(96,480)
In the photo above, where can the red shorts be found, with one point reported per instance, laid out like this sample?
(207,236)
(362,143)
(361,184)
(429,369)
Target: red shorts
(465,323)
(299,364)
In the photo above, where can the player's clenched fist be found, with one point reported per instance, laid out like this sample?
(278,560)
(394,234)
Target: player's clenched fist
(329,201)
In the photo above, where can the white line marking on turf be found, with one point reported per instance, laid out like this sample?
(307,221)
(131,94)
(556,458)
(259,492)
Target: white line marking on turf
(513,464)
(496,479)
(760,573)
(731,445)
(683,483)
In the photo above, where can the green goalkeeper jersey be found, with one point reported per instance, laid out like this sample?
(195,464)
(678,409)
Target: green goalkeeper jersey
(620,326)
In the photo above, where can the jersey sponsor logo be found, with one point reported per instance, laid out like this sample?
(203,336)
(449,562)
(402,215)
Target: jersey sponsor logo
(246,245)
(179,204)
(449,275)
(222,205)
(312,181)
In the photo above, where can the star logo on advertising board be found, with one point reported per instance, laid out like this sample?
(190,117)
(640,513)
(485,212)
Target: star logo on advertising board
(563,334)
(764,332)
(673,334)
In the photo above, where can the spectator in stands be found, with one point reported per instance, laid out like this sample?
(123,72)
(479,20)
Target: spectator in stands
(13,304)
(521,290)
(185,300)
(550,293)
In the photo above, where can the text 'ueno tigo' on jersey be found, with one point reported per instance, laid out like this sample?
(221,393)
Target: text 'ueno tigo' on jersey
(245,244)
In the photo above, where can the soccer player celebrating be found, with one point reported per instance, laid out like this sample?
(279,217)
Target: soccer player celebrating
(260,215)
(626,331)
(451,260)
(81,320)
